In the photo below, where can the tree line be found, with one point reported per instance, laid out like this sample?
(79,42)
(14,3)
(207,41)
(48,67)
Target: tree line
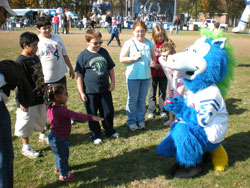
(233,8)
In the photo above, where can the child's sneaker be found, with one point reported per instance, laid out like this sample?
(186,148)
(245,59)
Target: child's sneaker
(56,170)
(133,127)
(163,115)
(141,125)
(150,116)
(116,135)
(44,139)
(67,178)
(30,153)
(97,141)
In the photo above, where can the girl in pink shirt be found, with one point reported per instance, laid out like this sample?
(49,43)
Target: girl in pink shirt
(60,119)
(175,79)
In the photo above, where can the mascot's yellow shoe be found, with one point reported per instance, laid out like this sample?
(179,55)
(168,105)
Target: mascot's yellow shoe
(220,159)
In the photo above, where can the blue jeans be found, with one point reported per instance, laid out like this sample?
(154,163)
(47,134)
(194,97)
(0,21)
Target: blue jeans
(136,102)
(60,147)
(6,149)
(56,28)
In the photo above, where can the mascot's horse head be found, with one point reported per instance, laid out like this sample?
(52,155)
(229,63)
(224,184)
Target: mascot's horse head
(208,61)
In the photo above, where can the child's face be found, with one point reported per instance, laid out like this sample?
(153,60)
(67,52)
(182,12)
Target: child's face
(95,44)
(32,48)
(62,98)
(45,31)
(160,38)
(165,55)
(139,33)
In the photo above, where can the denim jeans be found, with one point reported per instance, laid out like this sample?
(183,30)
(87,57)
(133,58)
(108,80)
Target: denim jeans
(136,102)
(6,149)
(109,27)
(56,28)
(60,147)
(162,83)
(65,26)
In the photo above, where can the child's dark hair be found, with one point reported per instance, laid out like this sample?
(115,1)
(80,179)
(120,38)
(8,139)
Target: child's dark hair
(42,22)
(27,38)
(51,91)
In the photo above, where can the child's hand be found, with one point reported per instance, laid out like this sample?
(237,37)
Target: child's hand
(111,86)
(138,56)
(24,109)
(72,73)
(96,118)
(83,97)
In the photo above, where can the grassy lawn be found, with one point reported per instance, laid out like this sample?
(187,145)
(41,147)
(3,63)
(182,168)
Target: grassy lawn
(131,160)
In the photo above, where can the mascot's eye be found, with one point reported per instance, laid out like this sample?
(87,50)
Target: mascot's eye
(194,50)
(187,49)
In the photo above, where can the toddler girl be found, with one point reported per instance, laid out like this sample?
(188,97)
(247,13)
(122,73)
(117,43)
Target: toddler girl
(176,85)
(60,120)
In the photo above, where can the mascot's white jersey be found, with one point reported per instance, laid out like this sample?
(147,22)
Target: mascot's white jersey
(212,113)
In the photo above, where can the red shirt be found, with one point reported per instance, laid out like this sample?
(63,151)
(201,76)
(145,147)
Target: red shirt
(159,72)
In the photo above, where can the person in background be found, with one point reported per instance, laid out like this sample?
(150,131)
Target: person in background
(94,67)
(109,21)
(120,19)
(56,23)
(177,24)
(216,27)
(115,34)
(138,55)
(60,119)
(64,24)
(9,81)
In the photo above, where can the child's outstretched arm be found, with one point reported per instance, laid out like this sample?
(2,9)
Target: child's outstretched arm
(68,63)
(112,78)
(79,81)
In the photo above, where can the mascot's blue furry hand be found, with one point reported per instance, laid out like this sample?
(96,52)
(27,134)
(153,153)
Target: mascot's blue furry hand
(175,104)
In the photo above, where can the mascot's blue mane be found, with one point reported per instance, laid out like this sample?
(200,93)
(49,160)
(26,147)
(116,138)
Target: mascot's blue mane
(220,64)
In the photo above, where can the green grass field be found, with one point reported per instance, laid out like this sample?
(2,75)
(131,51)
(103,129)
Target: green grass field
(131,160)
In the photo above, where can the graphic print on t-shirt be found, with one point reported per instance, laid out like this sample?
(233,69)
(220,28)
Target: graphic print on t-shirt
(52,50)
(98,65)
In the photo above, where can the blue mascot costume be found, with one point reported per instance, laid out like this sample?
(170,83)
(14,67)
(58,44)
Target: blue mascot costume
(207,68)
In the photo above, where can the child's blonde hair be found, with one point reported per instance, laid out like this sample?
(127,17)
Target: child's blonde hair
(157,30)
(92,34)
(168,46)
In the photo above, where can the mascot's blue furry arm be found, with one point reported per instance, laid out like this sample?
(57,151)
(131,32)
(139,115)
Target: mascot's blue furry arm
(207,68)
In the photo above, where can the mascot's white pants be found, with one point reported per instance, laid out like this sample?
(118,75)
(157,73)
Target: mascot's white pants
(244,20)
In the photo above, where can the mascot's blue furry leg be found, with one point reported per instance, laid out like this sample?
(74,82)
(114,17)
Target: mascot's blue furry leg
(188,139)
(167,148)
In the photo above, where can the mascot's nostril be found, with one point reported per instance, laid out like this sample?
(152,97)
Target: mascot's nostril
(190,73)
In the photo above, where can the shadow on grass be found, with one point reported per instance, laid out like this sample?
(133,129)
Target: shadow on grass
(238,147)
(144,163)
(233,107)
(243,65)
(123,130)
(138,165)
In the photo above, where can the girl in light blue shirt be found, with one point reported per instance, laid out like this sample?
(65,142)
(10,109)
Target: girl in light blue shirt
(138,55)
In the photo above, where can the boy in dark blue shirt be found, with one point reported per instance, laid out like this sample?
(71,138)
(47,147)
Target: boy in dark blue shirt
(94,67)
